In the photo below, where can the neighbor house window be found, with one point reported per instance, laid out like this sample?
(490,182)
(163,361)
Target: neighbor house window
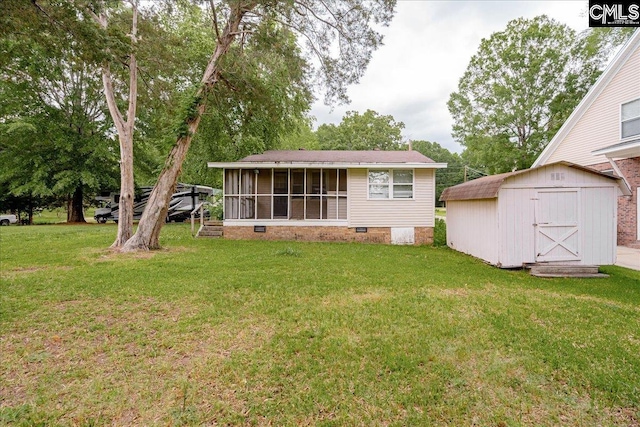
(390,184)
(631,119)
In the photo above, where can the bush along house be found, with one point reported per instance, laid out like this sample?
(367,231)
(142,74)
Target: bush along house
(340,196)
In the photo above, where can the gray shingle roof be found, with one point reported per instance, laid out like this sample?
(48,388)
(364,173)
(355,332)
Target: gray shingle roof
(338,156)
(486,187)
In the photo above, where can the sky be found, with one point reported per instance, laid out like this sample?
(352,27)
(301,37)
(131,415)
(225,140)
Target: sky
(427,48)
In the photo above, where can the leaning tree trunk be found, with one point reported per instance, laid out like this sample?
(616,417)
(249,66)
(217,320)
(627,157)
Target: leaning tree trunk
(148,234)
(75,209)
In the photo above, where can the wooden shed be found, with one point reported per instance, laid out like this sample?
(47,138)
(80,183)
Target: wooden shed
(559,213)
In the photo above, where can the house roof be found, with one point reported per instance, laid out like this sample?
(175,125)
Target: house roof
(605,78)
(487,187)
(335,158)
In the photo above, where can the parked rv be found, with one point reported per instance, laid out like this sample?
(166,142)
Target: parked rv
(183,201)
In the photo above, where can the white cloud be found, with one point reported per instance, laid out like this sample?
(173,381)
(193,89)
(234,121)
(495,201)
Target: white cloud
(427,48)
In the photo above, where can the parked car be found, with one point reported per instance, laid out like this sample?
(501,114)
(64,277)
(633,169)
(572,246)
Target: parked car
(8,219)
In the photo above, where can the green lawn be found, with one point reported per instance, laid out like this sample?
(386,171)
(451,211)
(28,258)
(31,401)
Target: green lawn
(215,332)
(59,216)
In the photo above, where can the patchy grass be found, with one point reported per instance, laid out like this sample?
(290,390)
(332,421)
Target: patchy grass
(211,332)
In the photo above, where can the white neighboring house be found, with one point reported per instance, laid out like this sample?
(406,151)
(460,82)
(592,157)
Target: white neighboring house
(362,196)
(603,133)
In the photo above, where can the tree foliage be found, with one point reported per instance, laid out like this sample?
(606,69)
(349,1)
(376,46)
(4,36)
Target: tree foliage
(366,131)
(521,86)
(264,96)
(54,140)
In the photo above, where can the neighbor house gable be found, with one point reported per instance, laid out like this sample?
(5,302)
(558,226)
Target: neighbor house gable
(595,123)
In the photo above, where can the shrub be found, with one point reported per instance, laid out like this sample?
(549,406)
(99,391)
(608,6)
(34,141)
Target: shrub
(440,233)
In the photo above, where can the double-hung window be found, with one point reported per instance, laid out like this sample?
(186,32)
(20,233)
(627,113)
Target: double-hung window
(391,184)
(630,117)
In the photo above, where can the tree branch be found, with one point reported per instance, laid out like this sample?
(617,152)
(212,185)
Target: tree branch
(118,120)
(324,21)
(133,69)
(214,16)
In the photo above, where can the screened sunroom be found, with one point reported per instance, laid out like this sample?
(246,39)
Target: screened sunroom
(367,196)
(285,194)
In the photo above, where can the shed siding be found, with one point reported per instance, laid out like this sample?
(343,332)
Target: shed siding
(598,230)
(599,126)
(418,212)
(472,228)
(502,232)
(517,233)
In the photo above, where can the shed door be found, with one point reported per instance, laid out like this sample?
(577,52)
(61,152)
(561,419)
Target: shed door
(557,225)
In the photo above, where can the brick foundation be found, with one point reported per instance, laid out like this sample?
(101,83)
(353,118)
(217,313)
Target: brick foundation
(627,205)
(423,235)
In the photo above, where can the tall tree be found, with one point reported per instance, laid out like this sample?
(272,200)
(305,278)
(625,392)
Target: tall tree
(124,123)
(53,137)
(520,87)
(343,28)
(365,131)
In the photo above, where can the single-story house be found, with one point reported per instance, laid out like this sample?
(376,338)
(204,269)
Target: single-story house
(363,196)
(603,133)
(558,213)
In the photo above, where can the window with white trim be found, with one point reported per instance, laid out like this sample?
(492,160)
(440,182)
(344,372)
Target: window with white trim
(391,183)
(630,119)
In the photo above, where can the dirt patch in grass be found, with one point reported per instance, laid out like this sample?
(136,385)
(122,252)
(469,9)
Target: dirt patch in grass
(140,362)
(103,255)
(345,300)
(21,271)
(456,292)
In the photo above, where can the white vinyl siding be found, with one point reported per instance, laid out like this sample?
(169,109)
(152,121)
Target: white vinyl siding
(368,212)
(600,125)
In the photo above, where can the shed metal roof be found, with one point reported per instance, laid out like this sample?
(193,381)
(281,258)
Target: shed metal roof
(487,187)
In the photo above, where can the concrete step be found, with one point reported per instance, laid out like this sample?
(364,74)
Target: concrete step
(213,223)
(565,270)
(214,231)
